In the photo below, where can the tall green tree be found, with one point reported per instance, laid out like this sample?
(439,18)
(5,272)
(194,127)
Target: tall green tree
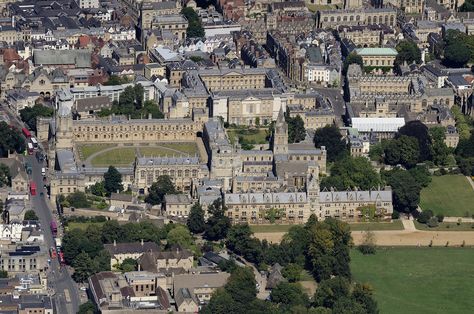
(353,57)
(406,190)
(78,199)
(439,148)
(98,189)
(241,285)
(296,130)
(5,177)
(113,181)
(195,28)
(331,138)
(218,223)
(159,189)
(29,114)
(408,52)
(419,131)
(196,222)
(84,267)
(352,172)
(180,236)
(88,308)
(289,294)
(30,215)
(403,150)
(10,140)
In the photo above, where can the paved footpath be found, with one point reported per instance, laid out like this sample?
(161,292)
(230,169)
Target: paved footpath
(408,237)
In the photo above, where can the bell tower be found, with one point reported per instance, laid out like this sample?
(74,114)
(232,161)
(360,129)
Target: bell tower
(280,135)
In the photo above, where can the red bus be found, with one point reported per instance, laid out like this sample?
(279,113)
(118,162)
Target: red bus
(30,149)
(61,258)
(54,228)
(52,251)
(33,188)
(26,133)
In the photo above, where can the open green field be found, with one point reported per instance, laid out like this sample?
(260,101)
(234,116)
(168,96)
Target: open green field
(88,149)
(362,226)
(82,225)
(251,136)
(447,226)
(450,195)
(125,155)
(418,280)
(122,156)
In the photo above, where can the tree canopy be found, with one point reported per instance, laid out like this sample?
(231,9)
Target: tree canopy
(403,150)
(29,114)
(30,215)
(196,222)
(408,52)
(419,131)
(159,189)
(218,223)
(353,57)
(5,177)
(405,188)
(180,236)
(296,130)
(113,181)
(10,140)
(195,28)
(351,172)
(330,137)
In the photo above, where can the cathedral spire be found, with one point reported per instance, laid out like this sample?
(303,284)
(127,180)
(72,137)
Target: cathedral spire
(281,116)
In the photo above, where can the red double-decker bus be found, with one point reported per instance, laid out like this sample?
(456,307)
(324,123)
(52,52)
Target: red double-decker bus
(26,133)
(33,188)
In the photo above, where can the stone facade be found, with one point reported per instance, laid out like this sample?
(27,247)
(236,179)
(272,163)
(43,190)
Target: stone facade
(367,16)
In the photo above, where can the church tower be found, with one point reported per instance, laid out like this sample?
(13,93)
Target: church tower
(280,135)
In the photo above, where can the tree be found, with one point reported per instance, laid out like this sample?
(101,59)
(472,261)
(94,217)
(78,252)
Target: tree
(467,6)
(10,140)
(408,52)
(113,181)
(347,305)
(403,150)
(296,130)
(221,303)
(117,80)
(195,28)
(180,236)
(240,241)
(151,107)
(30,215)
(368,243)
(352,172)
(353,57)
(425,216)
(128,264)
(159,189)
(331,138)
(331,290)
(196,222)
(111,231)
(419,131)
(87,308)
(78,200)
(3,274)
(456,55)
(405,189)
(292,272)
(241,285)
(289,294)
(98,189)
(439,148)
(363,295)
(218,223)
(84,267)
(5,177)
(29,114)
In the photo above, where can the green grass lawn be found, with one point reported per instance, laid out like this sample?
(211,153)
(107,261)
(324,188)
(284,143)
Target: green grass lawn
(450,195)
(88,149)
(187,148)
(82,225)
(252,136)
(363,226)
(447,226)
(270,228)
(418,280)
(122,156)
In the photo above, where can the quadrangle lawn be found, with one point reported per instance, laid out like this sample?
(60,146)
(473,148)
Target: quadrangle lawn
(87,150)
(418,280)
(255,136)
(450,195)
(363,226)
(82,225)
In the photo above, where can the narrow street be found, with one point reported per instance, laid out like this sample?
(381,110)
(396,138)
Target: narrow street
(58,277)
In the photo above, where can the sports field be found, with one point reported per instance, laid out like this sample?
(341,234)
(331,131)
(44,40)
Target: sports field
(450,195)
(418,280)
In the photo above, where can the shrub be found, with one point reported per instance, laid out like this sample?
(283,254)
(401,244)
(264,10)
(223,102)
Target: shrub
(366,249)
(440,217)
(425,216)
(433,222)
(395,215)
(443,171)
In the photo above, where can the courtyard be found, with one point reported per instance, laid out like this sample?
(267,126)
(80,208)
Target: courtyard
(104,155)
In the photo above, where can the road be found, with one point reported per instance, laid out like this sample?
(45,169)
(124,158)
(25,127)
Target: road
(58,277)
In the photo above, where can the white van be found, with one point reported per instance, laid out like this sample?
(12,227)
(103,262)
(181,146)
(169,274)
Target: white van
(43,171)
